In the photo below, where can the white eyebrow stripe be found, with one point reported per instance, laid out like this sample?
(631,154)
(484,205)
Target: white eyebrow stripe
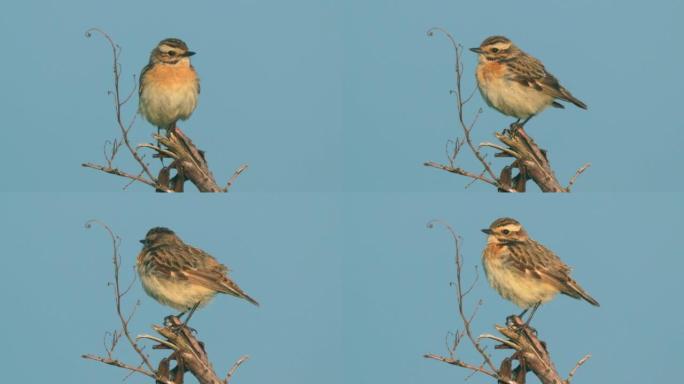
(512,227)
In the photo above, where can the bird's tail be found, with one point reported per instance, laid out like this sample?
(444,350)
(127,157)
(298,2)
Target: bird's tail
(567,96)
(232,289)
(577,292)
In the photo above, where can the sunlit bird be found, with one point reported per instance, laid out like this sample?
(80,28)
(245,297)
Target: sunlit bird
(179,275)
(523,271)
(515,83)
(169,86)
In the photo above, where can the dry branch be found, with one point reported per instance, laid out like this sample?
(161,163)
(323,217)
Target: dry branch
(530,353)
(187,351)
(531,161)
(189,162)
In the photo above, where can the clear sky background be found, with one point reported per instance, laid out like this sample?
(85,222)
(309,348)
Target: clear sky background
(331,96)
(335,106)
(354,288)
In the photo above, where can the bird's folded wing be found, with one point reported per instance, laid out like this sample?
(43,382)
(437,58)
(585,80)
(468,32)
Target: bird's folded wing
(530,72)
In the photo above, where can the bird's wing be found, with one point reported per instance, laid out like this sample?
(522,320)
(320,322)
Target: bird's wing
(530,72)
(201,268)
(545,265)
(142,75)
(534,260)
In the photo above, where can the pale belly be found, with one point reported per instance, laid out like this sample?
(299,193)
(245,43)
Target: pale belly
(511,98)
(164,105)
(523,291)
(181,296)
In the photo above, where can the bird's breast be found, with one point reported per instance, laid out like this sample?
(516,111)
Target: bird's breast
(506,95)
(169,93)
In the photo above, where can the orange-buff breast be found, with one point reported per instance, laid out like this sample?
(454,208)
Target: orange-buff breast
(165,75)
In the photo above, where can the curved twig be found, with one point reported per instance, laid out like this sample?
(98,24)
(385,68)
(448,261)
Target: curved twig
(579,364)
(460,102)
(234,368)
(116,51)
(576,175)
(116,258)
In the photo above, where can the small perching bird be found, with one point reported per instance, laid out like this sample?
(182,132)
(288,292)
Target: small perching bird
(179,275)
(515,83)
(523,271)
(169,86)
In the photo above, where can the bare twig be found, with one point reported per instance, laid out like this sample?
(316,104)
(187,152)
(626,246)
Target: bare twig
(118,172)
(118,103)
(117,363)
(118,295)
(460,102)
(579,172)
(579,364)
(461,364)
(237,173)
(234,368)
(460,295)
(462,172)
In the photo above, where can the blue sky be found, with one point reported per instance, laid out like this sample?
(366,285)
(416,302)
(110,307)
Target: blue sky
(335,105)
(353,287)
(331,96)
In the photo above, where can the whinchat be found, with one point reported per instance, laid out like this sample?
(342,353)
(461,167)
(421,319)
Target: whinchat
(179,275)
(522,270)
(169,86)
(515,83)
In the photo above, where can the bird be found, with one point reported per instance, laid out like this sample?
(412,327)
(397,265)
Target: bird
(524,271)
(181,276)
(169,86)
(515,83)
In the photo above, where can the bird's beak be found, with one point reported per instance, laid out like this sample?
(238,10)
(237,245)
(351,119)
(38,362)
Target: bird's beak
(142,241)
(189,53)
(487,231)
(477,50)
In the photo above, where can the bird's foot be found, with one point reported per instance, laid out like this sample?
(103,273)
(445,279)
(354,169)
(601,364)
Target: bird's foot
(172,320)
(517,322)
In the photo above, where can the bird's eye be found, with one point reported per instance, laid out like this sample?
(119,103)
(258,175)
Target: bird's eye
(506,231)
(172,53)
(495,50)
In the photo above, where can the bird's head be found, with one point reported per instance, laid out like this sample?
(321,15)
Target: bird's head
(171,51)
(495,48)
(505,230)
(158,236)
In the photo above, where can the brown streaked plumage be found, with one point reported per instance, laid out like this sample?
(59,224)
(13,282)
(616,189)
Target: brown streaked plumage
(524,271)
(515,83)
(179,275)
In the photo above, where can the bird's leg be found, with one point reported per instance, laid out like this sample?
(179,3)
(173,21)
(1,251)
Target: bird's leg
(177,130)
(525,121)
(534,310)
(192,311)
(510,319)
(168,320)
(161,156)
(512,127)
